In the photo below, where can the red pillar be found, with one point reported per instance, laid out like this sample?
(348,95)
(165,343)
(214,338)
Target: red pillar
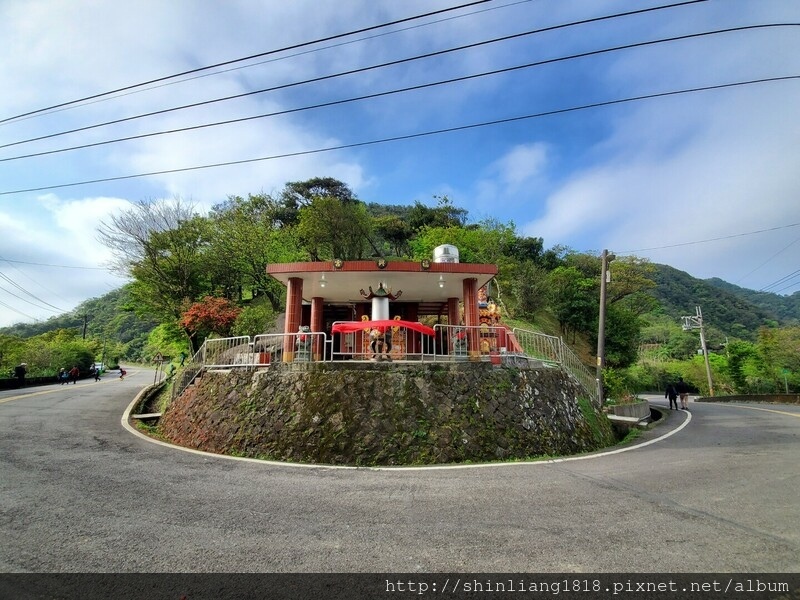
(453,316)
(472,318)
(294,313)
(413,343)
(317,325)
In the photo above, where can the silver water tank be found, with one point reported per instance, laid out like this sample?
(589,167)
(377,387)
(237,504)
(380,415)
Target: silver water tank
(446,253)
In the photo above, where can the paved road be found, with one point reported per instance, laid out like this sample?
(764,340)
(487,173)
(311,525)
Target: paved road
(80,493)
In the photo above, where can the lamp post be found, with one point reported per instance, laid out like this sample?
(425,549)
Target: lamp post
(605,277)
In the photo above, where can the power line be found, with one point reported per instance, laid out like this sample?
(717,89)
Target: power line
(245,58)
(24,291)
(413,136)
(28,301)
(726,237)
(394,63)
(271,60)
(21,272)
(22,262)
(787,246)
(19,312)
(791,285)
(781,281)
(382,94)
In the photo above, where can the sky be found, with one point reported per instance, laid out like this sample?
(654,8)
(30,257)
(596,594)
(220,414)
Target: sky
(560,142)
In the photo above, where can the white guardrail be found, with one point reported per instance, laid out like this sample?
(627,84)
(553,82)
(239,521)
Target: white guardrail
(498,345)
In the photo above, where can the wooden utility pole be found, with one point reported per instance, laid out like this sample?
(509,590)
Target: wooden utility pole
(605,277)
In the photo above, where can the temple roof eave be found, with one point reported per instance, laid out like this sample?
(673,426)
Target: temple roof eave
(342,282)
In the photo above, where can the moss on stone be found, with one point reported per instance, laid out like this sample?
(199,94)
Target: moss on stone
(387,414)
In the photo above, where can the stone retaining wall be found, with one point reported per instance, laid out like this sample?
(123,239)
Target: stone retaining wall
(386,414)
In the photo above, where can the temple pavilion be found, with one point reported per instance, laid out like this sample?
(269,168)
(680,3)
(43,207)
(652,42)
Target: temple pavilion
(351,297)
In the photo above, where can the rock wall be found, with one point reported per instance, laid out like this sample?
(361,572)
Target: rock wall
(386,414)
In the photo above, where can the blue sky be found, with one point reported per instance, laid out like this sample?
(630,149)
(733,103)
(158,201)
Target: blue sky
(708,182)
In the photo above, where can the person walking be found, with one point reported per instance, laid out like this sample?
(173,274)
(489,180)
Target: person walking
(122,372)
(74,373)
(19,372)
(683,391)
(672,394)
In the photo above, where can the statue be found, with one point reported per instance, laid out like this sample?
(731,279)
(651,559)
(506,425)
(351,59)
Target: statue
(380,343)
(458,342)
(303,343)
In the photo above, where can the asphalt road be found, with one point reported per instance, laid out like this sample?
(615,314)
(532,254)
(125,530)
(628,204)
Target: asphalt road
(711,490)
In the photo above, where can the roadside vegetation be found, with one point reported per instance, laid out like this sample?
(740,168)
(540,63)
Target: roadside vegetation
(198,275)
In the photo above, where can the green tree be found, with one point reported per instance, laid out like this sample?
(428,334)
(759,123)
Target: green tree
(574,300)
(244,239)
(529,289)
(395,231)
(329,228)
(444,214)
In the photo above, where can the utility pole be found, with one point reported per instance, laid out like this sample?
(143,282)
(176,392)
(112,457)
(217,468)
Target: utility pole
(696,322)
(85,320)
(605,277)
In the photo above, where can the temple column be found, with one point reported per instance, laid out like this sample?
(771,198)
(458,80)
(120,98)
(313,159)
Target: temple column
(294,313)
(453,316)
(317,326)
(472,318)
(413,338)
(453,321)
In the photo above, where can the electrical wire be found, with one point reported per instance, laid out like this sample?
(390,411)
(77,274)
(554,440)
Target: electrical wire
(726,237)
(245,58)
(26,276)
(410,136)
(781,281)
(786,247)
(22,262)
(24,291)
(19,312)
(386,93)
(392,63)
(272,60)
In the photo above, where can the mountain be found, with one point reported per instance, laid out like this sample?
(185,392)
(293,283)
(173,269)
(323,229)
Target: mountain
(732,310)
(786,309)
(108,316)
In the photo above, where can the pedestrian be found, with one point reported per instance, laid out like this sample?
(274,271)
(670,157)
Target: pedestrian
(62,376)
(74,373)
(97,374)
(19,372)
(683,391)
(672,394)
(122,372)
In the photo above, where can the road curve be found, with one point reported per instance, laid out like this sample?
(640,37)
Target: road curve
(712,490)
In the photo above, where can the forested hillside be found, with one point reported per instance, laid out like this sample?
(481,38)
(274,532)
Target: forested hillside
(198,275)
(785,309)
(110,318)
(724,308)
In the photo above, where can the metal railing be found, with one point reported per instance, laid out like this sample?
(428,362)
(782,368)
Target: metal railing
(550,349)
(546,348)
(498,345)
(189,372)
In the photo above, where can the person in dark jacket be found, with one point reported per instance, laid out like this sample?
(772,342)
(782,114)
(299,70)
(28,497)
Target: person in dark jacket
(683,391)
(672,394)
(19,372)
